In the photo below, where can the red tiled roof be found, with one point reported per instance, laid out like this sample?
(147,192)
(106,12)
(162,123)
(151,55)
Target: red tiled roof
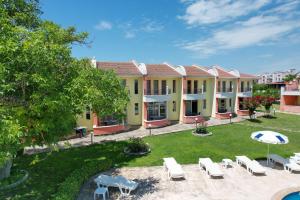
(121,68)
(242,75)
(196,71)
(224,74)
(161,70)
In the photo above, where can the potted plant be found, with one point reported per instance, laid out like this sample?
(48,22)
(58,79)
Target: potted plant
(136,146)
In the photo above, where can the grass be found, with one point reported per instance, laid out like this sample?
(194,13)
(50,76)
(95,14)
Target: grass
(46,173)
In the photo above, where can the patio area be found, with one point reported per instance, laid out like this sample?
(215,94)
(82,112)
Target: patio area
(237,184)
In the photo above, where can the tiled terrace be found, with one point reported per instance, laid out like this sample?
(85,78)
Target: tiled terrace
(237,184)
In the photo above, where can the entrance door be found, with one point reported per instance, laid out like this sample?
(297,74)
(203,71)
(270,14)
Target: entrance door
(195,107)
(222,108)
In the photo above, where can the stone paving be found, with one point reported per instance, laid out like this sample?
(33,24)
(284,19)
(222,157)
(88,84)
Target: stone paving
(237,184)
(140,132)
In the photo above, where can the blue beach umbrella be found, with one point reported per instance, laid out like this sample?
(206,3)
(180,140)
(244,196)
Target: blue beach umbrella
(269,137)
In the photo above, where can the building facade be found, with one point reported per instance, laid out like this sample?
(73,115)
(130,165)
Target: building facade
(161,94)
(290,97)
(274,77)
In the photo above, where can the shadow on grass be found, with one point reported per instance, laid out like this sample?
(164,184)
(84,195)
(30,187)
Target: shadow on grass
(255,121)
(269,117)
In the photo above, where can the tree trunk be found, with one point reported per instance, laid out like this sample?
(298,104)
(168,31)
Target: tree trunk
(5,169)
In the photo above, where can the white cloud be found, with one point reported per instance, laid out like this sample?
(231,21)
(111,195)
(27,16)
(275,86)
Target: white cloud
(145,26)
(267,55)
(254,31)
(279,23)
(213,11)
(103,25)
(150,26)
(129,34)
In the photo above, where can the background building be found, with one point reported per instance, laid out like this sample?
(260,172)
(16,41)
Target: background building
(274,77)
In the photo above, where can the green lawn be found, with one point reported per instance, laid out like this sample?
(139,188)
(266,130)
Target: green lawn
(227,141)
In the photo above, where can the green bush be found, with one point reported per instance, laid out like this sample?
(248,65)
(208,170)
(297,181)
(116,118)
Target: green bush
(201,130)
(70,188)
(137,145)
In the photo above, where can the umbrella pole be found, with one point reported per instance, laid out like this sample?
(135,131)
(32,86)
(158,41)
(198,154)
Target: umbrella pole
(268,154)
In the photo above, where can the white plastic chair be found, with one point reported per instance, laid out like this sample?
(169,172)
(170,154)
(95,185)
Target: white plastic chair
(101,191)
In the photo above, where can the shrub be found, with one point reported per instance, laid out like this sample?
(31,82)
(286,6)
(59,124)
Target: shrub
(137,145)
(201,130)
(70,188)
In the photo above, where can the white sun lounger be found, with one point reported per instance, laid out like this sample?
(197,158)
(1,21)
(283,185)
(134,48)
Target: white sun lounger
(212,169)
(274,158)
(296,158)
(125,185)
(252,166)
(291,166)
(173,168)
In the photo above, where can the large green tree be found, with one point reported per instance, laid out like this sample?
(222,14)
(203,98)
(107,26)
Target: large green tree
(43,88)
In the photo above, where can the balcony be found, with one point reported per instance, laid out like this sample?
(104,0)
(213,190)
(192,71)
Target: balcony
(225,93)
(290,91)
(193,94)
(157,95)
(245,92)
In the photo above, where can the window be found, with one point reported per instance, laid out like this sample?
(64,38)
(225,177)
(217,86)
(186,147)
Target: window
(204,104)
(136,108)
(156,110)
(174,106)
(195,87)
(219,86)
(204,86)
(174,86)
(163,87)
(123,82)
(230,86)
(136,86)
(155,85)
(191,108)
(223,86)
(88,113)
(242,86)
(189,86)
(248,86)
(148,91)
(230,102)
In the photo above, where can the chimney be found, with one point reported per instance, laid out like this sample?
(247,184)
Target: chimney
(94,62)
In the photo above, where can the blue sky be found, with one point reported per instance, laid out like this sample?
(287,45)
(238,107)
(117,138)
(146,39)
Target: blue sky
(250,35)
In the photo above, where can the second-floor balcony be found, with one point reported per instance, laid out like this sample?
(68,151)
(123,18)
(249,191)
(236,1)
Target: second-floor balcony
(292,91)
(224,92)
(245,92)
(189,94)
(157,95)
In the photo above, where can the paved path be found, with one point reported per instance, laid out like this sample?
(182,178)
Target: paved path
(237,184)
(141,132)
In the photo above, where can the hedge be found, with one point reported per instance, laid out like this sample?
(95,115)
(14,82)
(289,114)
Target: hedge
(70,188)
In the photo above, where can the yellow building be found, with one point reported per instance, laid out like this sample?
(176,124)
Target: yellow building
(161,94)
